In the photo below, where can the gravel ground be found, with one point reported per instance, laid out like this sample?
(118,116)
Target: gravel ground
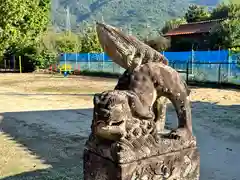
(45,121)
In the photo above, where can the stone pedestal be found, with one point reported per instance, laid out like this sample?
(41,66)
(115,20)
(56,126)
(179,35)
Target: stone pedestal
(182,164)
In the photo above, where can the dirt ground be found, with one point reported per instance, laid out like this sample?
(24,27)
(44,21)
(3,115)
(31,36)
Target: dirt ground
(45,121)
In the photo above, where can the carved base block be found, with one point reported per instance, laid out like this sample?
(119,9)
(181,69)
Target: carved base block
(180,165)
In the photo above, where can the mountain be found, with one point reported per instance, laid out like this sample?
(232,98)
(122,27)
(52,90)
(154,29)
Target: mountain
(139,16)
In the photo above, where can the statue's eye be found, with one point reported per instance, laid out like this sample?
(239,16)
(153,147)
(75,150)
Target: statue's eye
(144,78)
(136,78)
(138,54)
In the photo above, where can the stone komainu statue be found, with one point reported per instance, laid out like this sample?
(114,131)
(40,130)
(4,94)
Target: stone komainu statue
(125,142)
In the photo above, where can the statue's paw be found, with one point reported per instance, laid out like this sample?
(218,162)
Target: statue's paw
(151,115)
(147,116)
(176,134)
(164,132)
(179,133)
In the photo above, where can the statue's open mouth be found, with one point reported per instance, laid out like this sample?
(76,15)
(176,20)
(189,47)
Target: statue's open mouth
(112,131)
(118,123)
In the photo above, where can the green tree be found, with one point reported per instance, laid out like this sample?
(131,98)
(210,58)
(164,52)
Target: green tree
(234,11)
(228,33)
(52,44)
(196,13)
(22,22)
(68,42)
(46,51)
(221,11)
(230,10)
(90,42)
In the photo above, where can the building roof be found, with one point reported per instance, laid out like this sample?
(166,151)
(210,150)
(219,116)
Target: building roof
(194,28)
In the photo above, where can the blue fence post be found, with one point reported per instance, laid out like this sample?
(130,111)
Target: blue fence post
(65,62)
(88,59)
(76,62)
(229,64)
(187,74)
(192,59)
(102,61)
(219,73)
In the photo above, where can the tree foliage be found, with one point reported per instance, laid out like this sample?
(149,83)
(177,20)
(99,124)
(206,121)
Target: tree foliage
(228,33)
(196,13)
(68,42)
(90,41)
(220,12)
(52,44)
(22,22)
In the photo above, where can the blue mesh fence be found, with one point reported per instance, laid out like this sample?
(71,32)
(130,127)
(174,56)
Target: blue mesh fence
(211,66)
(91,62)
(211,56)
(178,56)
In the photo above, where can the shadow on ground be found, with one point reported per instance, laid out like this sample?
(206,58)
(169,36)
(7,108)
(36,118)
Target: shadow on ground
(45,94)
(58,138)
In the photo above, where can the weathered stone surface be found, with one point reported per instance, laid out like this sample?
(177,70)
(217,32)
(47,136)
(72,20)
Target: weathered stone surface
(125,50)
(129,52)
(125,142)
(180,165)
(128,151)
(123,126)
(154,82)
